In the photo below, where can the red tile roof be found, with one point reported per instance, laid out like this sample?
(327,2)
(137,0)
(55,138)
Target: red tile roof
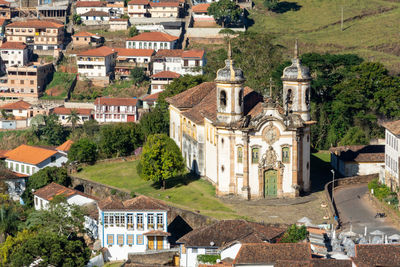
(157,233)
(30,154)
(153,36)
(166,74)
(138,2)
(49,191)
(94,13)
(13,45)
(137,203)
(35,23)
(3,154)
(201,8)
(164,4)
(130,52)
(17,105)
(102,51)
(115,101)
(265,253)
(4,3)
(152,97)
(65,146)
(90,4)
(180,53)
(67,111)
(2,21)
(392,126)
(193,54)
(84,34)
(360,153)
(377,255)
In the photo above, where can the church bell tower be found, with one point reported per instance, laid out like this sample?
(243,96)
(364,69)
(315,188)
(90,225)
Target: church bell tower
(230,92)
(296,88)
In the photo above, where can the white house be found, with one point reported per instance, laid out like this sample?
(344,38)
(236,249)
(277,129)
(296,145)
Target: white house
(164,9)
(95,17)
(84,114)
(97,64)
(14,54)
(138,8)
(180,61)
(20,109)
(116,109)
(16,183)
(391,176)
(150,101)
(152,40)
(135,225)
(129,59)
(28,160)
(162,79)
(225,234)
(200,13)
(65,147)
(44,195)
(357,160)
(83,7)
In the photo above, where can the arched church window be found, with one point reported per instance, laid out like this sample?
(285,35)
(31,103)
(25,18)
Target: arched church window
(222,99)
(307,97)
(240,154)
(240,97)
(285,154)
(255,151)
(288,100)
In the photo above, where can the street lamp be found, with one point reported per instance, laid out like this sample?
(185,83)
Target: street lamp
(333,183)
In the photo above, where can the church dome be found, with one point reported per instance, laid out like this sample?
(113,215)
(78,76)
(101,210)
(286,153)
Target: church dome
(230,73)
(296,71)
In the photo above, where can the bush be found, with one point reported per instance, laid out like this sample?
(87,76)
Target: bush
(381,192)
(294,234)
(113,192)
(208,258)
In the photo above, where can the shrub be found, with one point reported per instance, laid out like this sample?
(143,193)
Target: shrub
(208,258)
(294,234)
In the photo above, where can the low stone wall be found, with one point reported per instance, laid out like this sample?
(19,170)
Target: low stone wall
(79,105)
(152,258)
(343,182)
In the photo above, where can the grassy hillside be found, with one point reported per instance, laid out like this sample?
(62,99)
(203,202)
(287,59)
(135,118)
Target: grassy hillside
(370,27)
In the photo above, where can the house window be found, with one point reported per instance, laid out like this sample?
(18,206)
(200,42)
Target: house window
(111,219)
(22,168)
(11,165)
(28,169)
(222,99)
(106,219)
(254,154)
(194,250)
(120,239)
(17,167)
(36,201)
(130,239)
(240,100)
(185,62)
(285,154)
(150,221)
(129,220)
(110,240)
(160,221)
(139,240)
(140,221)
(240,155)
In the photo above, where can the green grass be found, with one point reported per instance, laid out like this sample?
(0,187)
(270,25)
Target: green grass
(62,81)
(196,195)
(373,35)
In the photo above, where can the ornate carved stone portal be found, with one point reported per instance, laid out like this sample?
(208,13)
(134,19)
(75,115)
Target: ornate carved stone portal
(270,161)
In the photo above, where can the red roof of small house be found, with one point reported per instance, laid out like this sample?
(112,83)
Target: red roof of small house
(130,52)
(90,4)
(138,203)
(3,154)
(4,3)
(115,101)
(2,21)
(94,13)
(13,45)
(152,97)
(153,36)
(84,34)
(36,23)
(201,8)
(166,74)
(165,4)
(67,111)
(138,2)
(193,53)
(17,105)
(65,146)
(49,191)
(392,126)
(102,51)
(30,154)
(161,53)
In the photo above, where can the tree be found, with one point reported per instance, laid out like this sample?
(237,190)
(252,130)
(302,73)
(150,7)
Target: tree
(137,75)
(73,118)
(294,234)
(225,12)
(354,136)
(133,31)
(271,4)
(161,159)
(10,216)
(77,19)
(154,122)
(42,178)
(12,244)
(83,151)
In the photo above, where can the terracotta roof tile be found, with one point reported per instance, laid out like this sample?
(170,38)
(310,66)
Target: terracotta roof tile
(152,97)
(225,232)
(137,203)
(193,53)
(315,262)
(30,154)
(130,52)
(13,45)
(102,51)
(377,255)
(153,36)
(38,24)
(84,34)
(4,3)
(65,146)
(67,111)
(138,2)
(165,4)
(166,74)
(90,4)
(17,105)
(265,253)
(392,126)
(115,101)
(157,233)
(162,53)
(192,96)
(6,174)
(201,8)
(360,153)
(49,191)
(94,13)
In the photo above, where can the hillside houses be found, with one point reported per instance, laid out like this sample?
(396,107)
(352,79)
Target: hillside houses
(152,40)
(116,109)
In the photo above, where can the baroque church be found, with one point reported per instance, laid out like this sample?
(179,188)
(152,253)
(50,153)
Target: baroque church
(246,144)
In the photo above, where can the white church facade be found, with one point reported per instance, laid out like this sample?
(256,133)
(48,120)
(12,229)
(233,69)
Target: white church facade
(245,144)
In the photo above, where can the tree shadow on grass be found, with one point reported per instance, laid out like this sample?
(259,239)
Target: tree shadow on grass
(177,181)
(283,7)
(320,173)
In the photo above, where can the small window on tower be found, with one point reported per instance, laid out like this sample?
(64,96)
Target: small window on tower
(240,155)
(222,99)
(285,155)
(240,97)
(307,97)
(288,100)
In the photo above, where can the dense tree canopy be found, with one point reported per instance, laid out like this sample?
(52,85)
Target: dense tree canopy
(161,159)
(83,151)
(225,12)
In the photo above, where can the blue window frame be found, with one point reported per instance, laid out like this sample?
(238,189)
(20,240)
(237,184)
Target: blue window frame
(110,240)
(120,239)
(139,240)
(130,239)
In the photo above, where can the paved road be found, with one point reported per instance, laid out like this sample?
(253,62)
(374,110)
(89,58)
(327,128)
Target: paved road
(355,209)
